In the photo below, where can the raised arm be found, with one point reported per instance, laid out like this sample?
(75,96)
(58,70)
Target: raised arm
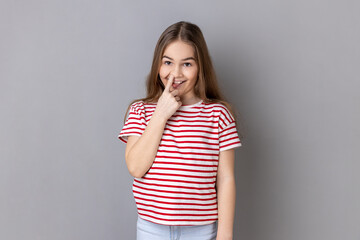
(140,151)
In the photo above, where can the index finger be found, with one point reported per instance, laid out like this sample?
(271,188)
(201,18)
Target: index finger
(169,83)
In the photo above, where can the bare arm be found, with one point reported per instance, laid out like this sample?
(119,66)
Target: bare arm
(141,150)
(226,194)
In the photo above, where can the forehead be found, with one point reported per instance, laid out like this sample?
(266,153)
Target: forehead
(179,50)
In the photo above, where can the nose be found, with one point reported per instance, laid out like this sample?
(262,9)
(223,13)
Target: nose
(176,71)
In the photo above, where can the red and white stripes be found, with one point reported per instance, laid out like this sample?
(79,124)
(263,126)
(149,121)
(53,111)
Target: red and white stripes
(179,188)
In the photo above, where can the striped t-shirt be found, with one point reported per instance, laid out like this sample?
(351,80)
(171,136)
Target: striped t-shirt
(179,188)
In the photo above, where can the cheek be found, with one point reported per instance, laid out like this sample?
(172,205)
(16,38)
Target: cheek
(163,72)
(192,73)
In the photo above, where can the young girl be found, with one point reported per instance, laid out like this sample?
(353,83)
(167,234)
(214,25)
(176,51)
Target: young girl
(180,143)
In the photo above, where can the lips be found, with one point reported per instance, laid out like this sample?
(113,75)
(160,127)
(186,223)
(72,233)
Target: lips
(176,84)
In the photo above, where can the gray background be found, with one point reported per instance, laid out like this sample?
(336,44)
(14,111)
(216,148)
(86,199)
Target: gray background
(69,69)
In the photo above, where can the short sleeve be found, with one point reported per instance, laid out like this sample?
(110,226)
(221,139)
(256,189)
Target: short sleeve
(228,136)
(135,123)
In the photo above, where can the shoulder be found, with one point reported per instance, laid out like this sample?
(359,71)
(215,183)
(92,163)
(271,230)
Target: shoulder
(140,106)
(137,107)
(221,109)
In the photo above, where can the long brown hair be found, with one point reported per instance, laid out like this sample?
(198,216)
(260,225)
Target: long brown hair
(206,86)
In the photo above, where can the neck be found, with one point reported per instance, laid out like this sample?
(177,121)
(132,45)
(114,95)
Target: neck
(190,101)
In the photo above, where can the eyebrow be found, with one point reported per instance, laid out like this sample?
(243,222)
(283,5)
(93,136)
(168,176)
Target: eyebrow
(185,59)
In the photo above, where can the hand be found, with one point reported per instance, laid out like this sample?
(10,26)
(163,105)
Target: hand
(168,102)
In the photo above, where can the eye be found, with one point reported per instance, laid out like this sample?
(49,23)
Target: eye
(187,64)
(167,62)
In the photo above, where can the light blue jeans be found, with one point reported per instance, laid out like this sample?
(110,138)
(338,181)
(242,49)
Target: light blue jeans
(151,231)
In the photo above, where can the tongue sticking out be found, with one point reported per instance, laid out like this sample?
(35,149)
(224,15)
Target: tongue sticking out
(175,85)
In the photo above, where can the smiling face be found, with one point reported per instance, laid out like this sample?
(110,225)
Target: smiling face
(179,60)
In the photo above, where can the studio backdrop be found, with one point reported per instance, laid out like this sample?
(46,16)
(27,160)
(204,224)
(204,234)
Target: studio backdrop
(69,69)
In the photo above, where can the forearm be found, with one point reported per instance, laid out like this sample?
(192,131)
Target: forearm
(142,154)
(226,192)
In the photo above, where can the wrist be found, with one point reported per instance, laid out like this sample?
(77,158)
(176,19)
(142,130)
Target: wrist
(224,234)
(220,237)
(159,118)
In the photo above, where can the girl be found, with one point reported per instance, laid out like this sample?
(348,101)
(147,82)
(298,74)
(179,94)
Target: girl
(180,143)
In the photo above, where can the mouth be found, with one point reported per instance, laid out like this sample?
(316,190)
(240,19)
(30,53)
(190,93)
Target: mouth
(176,84)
